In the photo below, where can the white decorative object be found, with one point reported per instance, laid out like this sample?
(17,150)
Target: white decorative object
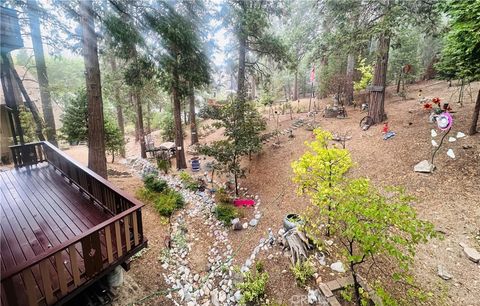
(434,133)
(450,153)
(460,135)
(452,139)
(434,143)
(424,166)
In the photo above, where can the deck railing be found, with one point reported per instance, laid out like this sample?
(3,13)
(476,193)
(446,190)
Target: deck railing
(51,277)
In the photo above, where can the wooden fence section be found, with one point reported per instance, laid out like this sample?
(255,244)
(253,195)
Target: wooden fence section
(66,269)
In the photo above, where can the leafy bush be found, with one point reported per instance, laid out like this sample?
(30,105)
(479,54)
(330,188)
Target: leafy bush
(163,164)
(155,184)
(225,213)
(167,202)
(253,287)
(146,195)
(210,112)
(223,197)
(367,75)
(188,181)
(303,271)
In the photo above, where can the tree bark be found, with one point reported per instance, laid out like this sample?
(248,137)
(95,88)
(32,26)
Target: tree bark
(149,121)
(28,102)
(241,92)
(96,135)
(295,86)
(118,106)
(349,79)
(376,109)
(476,111)
(177,115)
(141,132)
(193,119)
(399,81)
(10,99)
(254,87)
(41,71)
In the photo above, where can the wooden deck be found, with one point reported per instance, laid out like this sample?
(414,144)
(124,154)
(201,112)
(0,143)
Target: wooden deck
(40,210)
(60,232)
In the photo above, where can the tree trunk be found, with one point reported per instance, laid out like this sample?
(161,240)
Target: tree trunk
(96,135)
(141,132)
(254,87)
(349,79)
(399,81)
(118,106)
(10,99)
(193,119)
(177,115)
(376,109)
(295,86)
(241,93)
(356,285)
(28,102)
(323,65)
(41,71)
(473,126)
(149,121)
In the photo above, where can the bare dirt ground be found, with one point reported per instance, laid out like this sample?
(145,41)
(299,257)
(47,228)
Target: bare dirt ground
(449,198)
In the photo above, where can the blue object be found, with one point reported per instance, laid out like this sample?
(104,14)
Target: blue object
(195,165)
(388,135)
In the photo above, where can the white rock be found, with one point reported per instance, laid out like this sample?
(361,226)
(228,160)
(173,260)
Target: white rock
(443,273)
(337,266)
(329,242)
(245,225)
(214,297)
(460,135)
(434,143)
(222,296)
(312,296)
(253,222)
(433,133)
(472,254)
(424,166)
(450,153)
(238,295)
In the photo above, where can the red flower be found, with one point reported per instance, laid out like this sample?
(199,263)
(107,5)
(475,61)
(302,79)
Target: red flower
(436,100)
(427,106)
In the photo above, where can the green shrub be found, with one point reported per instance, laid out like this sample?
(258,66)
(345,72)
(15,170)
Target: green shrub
(188,181)
(146,195)
(167,202)
(165,205)
(223,197)
(163,164)
(225,213)
(303,271)
(253,287)
(210,112)
(259,266)
(155,184)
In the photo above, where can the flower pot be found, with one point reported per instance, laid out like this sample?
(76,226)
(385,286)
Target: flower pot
(291,221)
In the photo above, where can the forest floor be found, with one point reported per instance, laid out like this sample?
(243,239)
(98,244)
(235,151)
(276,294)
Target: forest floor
(449,198)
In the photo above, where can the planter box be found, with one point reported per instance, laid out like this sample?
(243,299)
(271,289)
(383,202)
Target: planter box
(330,287)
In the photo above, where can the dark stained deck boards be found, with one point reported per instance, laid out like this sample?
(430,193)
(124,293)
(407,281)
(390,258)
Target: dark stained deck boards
(41,210)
